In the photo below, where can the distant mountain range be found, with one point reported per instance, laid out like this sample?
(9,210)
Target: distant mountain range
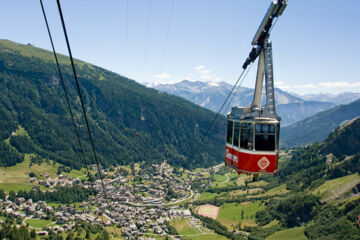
(342,98)
(290,107)
(318,127)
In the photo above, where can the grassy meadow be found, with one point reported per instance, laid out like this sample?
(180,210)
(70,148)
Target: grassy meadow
(231,214)
(289,234)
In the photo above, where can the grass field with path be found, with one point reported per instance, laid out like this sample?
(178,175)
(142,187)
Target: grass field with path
(279,190)
(17,177)
(240,181)
(209,195)
(289,234)
(273,223)
(218,180)
(183,227)
(210,236)
(242,192)
(230,214)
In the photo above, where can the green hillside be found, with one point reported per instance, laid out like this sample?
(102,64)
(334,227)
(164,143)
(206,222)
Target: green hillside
(324,186)
(289,234)
(31,97)
(315,195)
(344,140)
(311,165)
(318,127)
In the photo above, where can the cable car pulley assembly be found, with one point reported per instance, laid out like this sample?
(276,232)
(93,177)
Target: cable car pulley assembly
(252,136)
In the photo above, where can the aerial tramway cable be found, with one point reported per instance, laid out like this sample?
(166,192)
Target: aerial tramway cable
(233,95)
(203,139)
(80,96)
(68,101)
(237,90)
(126,36)
(146,39)
(66,95)
(167,36)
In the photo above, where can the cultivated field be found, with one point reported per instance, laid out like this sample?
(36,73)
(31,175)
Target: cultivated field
(242,192)
(279,190)
(209,195)
(183,227)
(231,214)
(189,231)
(212,236)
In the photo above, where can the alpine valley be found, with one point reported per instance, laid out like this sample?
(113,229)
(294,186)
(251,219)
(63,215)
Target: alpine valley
(160,178)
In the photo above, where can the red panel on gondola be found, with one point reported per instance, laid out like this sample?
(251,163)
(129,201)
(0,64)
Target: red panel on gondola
(245,162)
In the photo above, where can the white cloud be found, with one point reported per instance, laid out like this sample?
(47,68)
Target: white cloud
(213,84)
(307,86)
(162,76)
(158,82)
(204,72)
(189,78)
(199,68)
(281,85)
(339,84)
(206,76)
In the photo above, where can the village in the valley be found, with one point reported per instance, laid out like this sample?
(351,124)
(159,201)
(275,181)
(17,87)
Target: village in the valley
(139,204)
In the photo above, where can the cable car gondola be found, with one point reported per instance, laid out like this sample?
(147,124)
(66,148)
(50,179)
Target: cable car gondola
(252,136)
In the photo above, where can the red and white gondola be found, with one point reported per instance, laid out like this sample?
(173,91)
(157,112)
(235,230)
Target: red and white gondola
(252,136)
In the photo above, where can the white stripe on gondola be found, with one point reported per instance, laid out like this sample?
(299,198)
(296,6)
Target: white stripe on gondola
(252,152)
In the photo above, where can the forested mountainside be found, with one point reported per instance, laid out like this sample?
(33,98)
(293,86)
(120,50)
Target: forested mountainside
(318,127)
(324,179)
(337,156)
(296,111)
(32,103)
(211,95)
(344,140)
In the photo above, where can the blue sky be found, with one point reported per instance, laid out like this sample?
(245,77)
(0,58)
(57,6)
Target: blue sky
(314,42)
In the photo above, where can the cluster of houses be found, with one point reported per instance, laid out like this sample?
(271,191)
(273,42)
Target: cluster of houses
(152,189)
(62,215)
(134,221)
(62,180)
(137,207)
